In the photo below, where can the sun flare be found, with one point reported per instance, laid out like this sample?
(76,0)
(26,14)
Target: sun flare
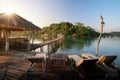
(8,11)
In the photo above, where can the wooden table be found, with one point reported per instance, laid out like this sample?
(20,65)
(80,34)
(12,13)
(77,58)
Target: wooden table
(58,61)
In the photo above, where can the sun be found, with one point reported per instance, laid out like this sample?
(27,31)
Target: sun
(7,6)
(8,11)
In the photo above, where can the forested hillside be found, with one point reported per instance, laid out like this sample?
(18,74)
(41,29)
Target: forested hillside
(68,29)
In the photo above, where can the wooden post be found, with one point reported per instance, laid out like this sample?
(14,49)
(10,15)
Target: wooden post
(101,31)
(60,42)
(48,48)
(51,47)
(0,34)
(41,49)
(40,35)
(29,40)
(3,34)
(32,39)
(6,41)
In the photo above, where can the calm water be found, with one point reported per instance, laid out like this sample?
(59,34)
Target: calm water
(78,46)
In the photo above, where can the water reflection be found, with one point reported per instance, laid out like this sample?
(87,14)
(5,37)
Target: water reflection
(73,45)
(78,43)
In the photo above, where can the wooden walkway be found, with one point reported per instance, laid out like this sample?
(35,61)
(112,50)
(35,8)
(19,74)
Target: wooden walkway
(34,46)
(18,71)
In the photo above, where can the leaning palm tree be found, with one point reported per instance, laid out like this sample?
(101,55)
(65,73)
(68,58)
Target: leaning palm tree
(101,32)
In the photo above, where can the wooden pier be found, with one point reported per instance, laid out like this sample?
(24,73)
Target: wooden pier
(58,67)
(48,43)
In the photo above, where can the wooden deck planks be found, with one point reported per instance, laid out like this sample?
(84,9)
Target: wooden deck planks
(18,71)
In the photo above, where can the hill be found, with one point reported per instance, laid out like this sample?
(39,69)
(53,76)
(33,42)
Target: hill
(69,29)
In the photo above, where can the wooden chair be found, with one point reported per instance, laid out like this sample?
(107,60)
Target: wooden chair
(38,58)
(78,60)
(89,59)
(88,56)
(108,65)
(108,60)
(84,60)
(86,66)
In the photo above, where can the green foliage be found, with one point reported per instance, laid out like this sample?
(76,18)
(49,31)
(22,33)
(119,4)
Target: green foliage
(63,28)
(68,29)
(19,33)
(26,34)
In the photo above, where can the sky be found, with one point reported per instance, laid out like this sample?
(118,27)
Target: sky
(45,12)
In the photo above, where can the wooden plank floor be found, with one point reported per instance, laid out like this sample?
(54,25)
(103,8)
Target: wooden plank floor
(15,70)
(18,71)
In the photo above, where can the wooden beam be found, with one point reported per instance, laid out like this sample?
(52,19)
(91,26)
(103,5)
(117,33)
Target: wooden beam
(32,35)
(29,40)
(3,34)
(6,41)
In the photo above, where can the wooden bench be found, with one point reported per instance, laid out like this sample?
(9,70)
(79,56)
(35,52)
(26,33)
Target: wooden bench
(86,66)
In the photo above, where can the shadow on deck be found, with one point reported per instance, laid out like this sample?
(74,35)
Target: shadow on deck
(19,71)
